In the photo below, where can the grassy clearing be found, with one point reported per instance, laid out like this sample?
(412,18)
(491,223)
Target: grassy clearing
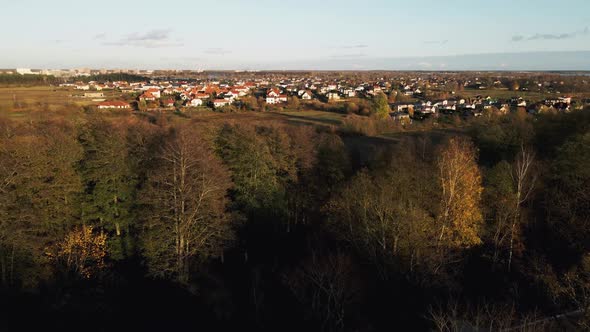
(313,117)
(316,118)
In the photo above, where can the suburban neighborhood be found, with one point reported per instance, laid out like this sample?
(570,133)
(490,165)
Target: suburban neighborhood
(411,97)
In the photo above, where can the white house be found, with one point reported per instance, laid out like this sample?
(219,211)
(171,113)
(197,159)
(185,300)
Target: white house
(114,105)
(306,95)
(221,103)
(155,92)
(273,93)
(276,100)
(333,96)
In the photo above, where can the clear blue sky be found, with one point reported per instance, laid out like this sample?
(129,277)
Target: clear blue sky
(280,34)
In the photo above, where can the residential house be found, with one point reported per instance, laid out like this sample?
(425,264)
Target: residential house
(168,103)
(114,105)
(147,96)
(221,102)
(155,92)
(306,95)
(333,96)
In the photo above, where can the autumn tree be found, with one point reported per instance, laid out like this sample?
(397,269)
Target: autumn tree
(460,217)
(381,106)
(83,251)
(185,205)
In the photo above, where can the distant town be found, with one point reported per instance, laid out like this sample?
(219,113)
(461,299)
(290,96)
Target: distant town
(411,96)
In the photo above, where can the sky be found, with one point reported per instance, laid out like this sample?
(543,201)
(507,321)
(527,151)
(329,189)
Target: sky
(290,35)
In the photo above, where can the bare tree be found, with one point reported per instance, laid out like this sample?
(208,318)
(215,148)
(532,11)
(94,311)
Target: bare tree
(326,285)
(524,183)
(187,197)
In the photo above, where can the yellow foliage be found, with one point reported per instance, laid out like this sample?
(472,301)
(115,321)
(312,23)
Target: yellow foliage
(460,179)
(83,251)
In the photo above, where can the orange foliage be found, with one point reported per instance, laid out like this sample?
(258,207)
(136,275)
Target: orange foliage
(83,251)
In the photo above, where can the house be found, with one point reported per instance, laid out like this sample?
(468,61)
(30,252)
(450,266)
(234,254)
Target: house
(350,93)
(404,108)
(242,89)
(168,103)
(155,92)
(114,105)
(518,101)
(273,96)
(201,96)
(232,94)
(306,95)
(221,102)
(169,91)
(333,96)
(147,96)
(273,93)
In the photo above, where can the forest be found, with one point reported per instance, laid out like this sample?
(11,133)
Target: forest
(119,221)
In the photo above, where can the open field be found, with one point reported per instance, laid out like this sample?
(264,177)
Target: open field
(322,119)
(47,97)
